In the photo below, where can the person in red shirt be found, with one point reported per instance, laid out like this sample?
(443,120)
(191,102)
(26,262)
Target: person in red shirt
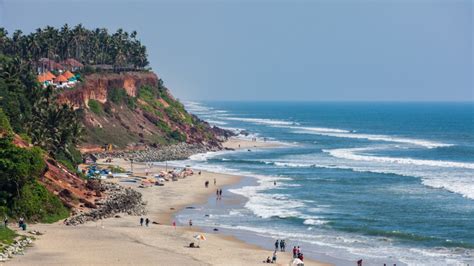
(295,252)
(300,256)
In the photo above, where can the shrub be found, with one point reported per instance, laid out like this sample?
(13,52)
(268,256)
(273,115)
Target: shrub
(117,95)
(176,135)
(95,107)
(37,204)
(5,126)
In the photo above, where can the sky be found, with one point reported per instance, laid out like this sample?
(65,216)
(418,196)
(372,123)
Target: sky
(339,50)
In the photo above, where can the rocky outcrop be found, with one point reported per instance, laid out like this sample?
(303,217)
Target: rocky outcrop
(179,151)
(96,87)
(16,248)
(119,200)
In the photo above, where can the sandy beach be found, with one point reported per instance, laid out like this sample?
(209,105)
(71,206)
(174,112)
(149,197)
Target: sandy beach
(122,241)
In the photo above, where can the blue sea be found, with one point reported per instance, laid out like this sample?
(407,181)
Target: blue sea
(385,182)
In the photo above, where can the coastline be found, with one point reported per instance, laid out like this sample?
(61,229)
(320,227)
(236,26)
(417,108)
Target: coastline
(123,241)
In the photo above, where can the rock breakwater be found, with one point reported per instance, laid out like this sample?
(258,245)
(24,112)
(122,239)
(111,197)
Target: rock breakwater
(119,200)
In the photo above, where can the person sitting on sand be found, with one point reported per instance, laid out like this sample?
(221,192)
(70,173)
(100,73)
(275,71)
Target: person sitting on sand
(268,260)
(300,256)
(274,258)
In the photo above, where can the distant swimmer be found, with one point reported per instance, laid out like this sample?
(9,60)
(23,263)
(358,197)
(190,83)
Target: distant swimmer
(274,183)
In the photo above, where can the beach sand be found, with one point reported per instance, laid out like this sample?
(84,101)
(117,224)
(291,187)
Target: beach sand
(122,241)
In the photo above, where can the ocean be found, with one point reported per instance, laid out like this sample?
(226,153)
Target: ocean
(383,182)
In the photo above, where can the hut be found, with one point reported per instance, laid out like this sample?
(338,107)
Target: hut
(60,80)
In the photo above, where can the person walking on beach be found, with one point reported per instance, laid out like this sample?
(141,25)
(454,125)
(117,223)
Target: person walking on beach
(282,245)
(277,244)
(141,221)
(174,224)
(295,252)
(215,182)
(190,222)
(147,221)
(220,193)
(217,194)
(206,184)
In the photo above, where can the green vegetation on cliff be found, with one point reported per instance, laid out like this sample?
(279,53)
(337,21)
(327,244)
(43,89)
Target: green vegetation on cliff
(53,129)
(20,194)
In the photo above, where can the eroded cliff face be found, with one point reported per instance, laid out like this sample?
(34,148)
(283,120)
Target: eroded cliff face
(148,116)
(96,87)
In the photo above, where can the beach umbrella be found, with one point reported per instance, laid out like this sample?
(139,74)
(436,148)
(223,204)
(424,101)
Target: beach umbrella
(199,237)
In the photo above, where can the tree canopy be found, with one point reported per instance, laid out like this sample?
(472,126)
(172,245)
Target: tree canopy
(91,47)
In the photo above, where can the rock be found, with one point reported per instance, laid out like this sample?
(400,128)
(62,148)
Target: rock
(120,200)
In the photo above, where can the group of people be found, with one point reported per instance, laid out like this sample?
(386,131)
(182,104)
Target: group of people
(218,194)
(147,221)
(21,223)
(297,253)
(280,245)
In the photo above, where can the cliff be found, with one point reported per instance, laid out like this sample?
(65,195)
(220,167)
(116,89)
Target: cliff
(134,110)
(96,87)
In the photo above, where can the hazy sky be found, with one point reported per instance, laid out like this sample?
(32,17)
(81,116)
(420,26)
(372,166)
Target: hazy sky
(286,50)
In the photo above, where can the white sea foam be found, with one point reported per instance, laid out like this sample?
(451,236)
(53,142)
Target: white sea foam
(352,154)
(321,130)
(419,142)
(351,247)
(452,176)
(263,121)
(269,205)
(314,222)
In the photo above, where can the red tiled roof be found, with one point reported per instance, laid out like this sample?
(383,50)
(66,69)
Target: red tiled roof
(68,74)
(60,78)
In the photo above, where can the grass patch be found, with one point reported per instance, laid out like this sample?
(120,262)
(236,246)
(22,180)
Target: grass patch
(6,236)
(95,107)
